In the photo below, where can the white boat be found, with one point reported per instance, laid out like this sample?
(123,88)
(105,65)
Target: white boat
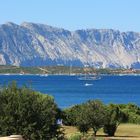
(87,70)
(87,84)
(7,74)
(70,72)
(90,77)
(43,75)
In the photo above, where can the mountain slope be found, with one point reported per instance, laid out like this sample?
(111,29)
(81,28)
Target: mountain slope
(31,44)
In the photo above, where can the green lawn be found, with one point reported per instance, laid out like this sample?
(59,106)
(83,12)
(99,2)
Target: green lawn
(127,131)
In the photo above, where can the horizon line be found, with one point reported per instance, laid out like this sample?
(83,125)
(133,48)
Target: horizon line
(87,28)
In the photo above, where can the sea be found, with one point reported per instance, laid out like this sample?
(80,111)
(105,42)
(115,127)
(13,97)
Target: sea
(69,90)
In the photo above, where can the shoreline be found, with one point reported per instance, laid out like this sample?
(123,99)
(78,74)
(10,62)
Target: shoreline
(63,74)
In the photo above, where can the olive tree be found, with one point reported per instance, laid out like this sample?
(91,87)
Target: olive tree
(88,115)
(96,112)
(77,116)
(114,117)
(82,121)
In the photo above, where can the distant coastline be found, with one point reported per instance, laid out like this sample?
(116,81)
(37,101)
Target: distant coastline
(64,70)
(63,74)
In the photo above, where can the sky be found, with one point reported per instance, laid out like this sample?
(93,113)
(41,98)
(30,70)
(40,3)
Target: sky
(123,15)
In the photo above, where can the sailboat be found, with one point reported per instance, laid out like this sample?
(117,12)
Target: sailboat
(70,71)
(89,77)
(87,70)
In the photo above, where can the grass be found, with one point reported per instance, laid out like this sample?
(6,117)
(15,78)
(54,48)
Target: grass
(127,131)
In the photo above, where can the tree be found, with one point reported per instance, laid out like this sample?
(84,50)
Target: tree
(96,114)
(77,116)
(70,115)
(114,117)
(89,115)
(132,112)
(29,113)
(82,122)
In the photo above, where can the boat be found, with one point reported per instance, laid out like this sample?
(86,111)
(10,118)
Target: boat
(70,71)
(90,77)
(43,75)
(7,74)
(88,71)
(87,84)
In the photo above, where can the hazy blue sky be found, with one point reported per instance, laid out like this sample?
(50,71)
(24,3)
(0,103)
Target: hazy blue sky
(74,14)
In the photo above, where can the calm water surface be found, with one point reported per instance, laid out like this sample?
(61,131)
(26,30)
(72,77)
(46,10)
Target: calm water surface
(68,90)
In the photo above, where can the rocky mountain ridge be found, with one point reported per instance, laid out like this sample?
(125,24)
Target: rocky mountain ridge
(31,44)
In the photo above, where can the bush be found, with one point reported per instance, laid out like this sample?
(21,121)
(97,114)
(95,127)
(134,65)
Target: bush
(75,137)
(29,113)
(132,112)
(81,137)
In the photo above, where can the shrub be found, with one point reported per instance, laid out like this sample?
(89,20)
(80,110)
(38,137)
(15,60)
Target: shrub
(132,113)
(29,113)
(75,137)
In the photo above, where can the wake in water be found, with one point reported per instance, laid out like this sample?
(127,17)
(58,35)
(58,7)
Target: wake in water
(87,85)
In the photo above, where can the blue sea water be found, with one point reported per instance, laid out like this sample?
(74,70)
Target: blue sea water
(69,90)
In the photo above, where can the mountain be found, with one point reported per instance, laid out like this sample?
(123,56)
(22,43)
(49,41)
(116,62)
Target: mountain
(31,44)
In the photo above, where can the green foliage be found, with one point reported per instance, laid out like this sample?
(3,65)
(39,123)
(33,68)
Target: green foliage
(75,137)
(132,112)
(70,115)
(89,115)
(59,70)
(110,129)
(96,113)
(81,137)
(77,116)
(114,117)
(133,118)
(29,113)
(82,122)
(16,69)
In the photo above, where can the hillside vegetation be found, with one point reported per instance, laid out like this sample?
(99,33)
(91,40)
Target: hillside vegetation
(63,70)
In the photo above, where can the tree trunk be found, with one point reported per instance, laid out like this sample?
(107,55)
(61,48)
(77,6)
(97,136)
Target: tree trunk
(95,132)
